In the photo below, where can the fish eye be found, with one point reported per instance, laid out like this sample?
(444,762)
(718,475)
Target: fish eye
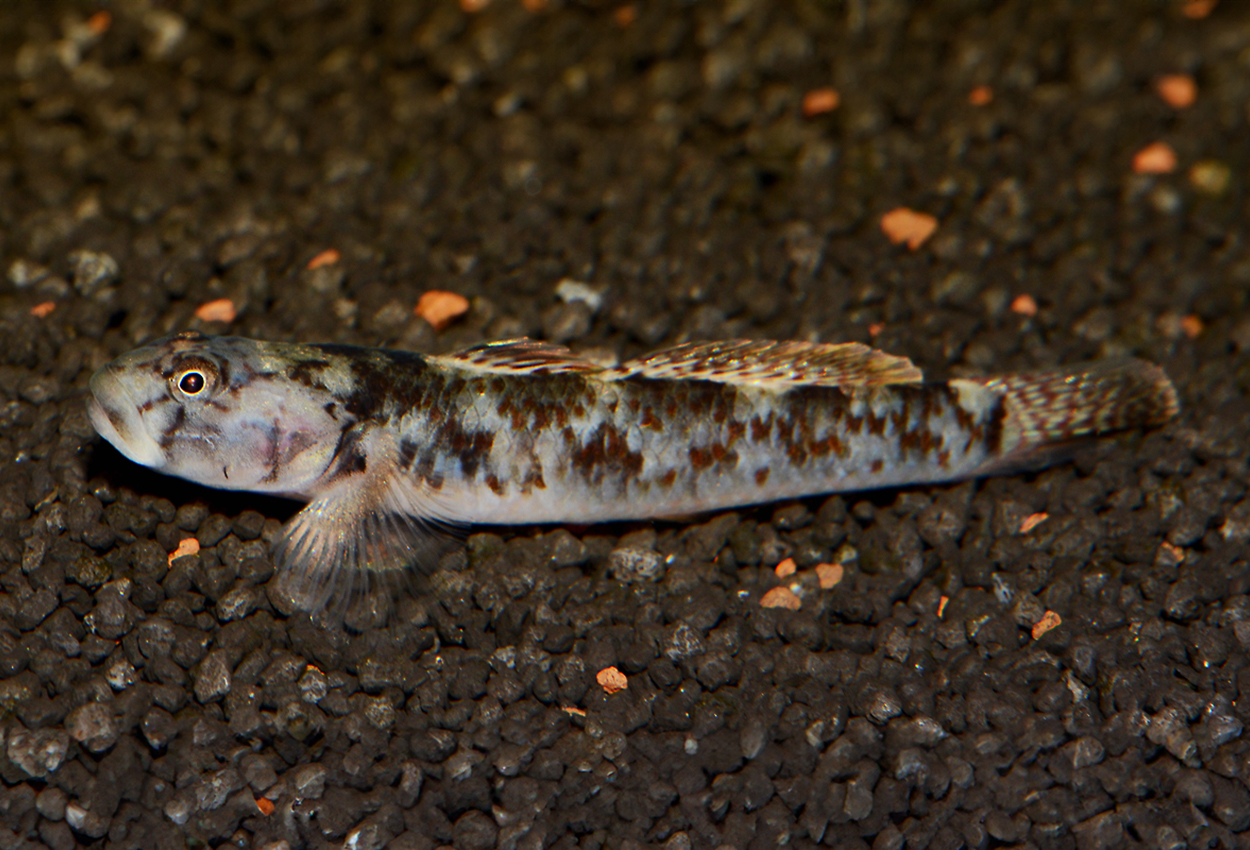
(192,383)
(193,376)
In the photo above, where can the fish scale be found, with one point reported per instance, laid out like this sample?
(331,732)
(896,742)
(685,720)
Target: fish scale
(387,445)
(768,445)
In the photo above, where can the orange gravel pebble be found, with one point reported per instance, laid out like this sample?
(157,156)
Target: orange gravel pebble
(830,575)
(472,6)
(43,309)
(981,96)
(1177,90)
(906,225)
(876,328)
(1032,521)
(1169,555)
(265,806)
(942,602)
(328,257)
(1050,620)
(534,6)
(221,310)
(572,709)
(1173,326)
(1196,10)
(625,15)
(100,22)
(785,568)
(820,101)
(781,597)
(188,546)
(611,680)
(1025,305)
(1157,158)
(440,308)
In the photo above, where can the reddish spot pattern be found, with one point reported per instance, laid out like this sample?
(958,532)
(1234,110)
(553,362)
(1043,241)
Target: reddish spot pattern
(699,459)
(761,428)
(533,479)
(688,428)
(604,452)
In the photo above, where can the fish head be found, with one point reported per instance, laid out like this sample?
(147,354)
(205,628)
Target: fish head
(220,411)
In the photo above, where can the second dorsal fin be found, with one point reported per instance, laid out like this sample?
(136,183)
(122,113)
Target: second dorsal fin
(777,363)
(521,357)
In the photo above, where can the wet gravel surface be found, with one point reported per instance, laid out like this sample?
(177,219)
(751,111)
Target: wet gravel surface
(158,158)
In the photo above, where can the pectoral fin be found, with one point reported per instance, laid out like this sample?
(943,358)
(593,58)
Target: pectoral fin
(369,524)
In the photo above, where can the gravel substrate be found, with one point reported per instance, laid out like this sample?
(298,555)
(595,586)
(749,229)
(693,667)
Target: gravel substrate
(156,157)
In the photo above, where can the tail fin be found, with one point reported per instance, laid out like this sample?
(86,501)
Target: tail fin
(1047,409)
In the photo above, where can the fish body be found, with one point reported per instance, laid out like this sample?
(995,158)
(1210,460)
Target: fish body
(384,444)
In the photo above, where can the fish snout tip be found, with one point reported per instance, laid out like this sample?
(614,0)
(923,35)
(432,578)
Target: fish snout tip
(117,419)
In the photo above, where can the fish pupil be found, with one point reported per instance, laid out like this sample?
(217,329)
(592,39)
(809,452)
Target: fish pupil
(191,383)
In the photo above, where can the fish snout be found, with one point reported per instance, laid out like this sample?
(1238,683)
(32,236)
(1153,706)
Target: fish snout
(118,419)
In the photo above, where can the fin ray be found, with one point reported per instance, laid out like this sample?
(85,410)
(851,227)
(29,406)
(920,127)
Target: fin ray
(775,363)
(520,357)
(1110,395)
(1049,413)
(370,523)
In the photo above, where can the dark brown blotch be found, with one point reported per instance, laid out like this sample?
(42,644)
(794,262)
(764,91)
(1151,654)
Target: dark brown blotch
(700,459)
(407,452)
(605,451)
(349,456)
(307,373)
(761,429)
(533,479)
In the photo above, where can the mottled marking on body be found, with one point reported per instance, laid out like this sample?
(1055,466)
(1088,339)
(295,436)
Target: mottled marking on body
(171,430)
(605,453)
(533,479)
(527,432)
(308,373)
(699,459)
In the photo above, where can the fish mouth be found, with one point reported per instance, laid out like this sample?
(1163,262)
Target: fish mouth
(117,419)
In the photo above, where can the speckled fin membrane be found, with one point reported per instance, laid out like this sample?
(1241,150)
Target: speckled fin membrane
(521,356)
(786,363)
(368,526)
(1097,398)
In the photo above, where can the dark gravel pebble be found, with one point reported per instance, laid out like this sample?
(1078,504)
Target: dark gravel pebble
(617,179)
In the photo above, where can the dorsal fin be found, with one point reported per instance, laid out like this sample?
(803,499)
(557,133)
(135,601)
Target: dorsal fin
(777,363)
(521,357)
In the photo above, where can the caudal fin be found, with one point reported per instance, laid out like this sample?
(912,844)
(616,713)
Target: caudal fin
(1049,409)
